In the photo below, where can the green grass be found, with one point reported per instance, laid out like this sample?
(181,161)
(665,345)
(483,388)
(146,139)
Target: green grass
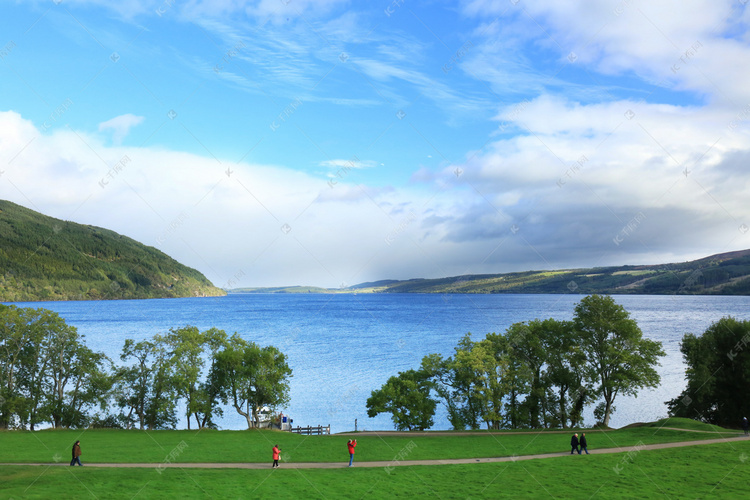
(683,423)
(710,471)
(113,446)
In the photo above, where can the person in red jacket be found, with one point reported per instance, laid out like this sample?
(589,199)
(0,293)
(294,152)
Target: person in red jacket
(351,445)
(276,452)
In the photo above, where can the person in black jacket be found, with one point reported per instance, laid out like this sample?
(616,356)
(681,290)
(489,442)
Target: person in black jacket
(574,444)
(583,444)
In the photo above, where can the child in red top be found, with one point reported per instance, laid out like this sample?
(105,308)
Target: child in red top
(276,452)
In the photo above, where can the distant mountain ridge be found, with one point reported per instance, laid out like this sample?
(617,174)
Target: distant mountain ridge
(43,258)
(721,274)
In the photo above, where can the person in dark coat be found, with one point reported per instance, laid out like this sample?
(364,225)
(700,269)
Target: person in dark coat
(574,444)
(76,454)
(745,425)
(583,444)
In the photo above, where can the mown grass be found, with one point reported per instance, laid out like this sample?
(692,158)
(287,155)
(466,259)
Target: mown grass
(120,446)
(708,471)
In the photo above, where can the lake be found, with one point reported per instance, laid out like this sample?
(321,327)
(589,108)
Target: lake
(343,346)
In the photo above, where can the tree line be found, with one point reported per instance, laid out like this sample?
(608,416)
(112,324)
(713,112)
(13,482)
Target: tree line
(49,376)
(537,374)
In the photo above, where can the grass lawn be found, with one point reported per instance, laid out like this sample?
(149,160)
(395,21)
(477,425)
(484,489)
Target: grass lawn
(114,446)
(710,471)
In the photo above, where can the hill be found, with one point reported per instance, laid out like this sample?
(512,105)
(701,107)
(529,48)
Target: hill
(721,274)
(43,258)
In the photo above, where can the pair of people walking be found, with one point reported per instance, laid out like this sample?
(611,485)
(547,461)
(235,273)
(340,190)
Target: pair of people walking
(578,445)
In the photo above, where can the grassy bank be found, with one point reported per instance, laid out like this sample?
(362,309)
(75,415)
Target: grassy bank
(710,471)
(120,446)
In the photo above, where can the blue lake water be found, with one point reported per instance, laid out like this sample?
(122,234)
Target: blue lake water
(341,347)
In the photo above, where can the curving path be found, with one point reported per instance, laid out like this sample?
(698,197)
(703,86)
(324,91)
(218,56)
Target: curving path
(389,464)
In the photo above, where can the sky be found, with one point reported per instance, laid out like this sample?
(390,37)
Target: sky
(332,142)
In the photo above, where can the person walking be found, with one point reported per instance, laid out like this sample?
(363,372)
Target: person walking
(574,444)
(76,452)
(276,453)
(583,444)
(351,445)
(745,425)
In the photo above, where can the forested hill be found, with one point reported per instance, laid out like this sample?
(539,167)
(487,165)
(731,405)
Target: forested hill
(42,258)
(721,274)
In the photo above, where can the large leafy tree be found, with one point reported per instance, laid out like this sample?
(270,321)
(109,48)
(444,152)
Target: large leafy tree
(506,380)
(458,383)
(77,380)
(143,387)
(718,373)
(22,363)
(406,397)
(187,349)
(46,371)
(619,359)
(249,377)
(564,374)
(527,349)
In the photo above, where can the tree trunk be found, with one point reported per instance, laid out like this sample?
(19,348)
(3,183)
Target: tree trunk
(607,411)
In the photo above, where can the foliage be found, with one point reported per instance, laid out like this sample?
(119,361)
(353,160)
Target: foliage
(47,374)
(406,397)
(540,373)
(144,386)
(718,373)
(185,348)
(619,359)
(250,377)
(43,258)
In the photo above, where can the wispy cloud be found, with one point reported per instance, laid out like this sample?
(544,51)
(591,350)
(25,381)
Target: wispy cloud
(120,126)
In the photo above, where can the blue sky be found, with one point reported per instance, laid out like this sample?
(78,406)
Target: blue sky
(302,142)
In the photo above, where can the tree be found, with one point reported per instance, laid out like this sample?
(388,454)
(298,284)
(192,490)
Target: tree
(13,339)
(250,377)
(527,346)
(187,349)
(143,387)
(75,380)
(406,397)
(718,373)
(619,359)
(564,373)
(457,383)
(47,374)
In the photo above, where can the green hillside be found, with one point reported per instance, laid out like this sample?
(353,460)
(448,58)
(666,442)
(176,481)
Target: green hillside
(42,258)
(722,274)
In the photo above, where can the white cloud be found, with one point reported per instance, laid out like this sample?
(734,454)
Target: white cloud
(355,163)
(120,126)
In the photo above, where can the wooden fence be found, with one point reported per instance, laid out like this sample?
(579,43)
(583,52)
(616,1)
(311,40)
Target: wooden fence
(311,431)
